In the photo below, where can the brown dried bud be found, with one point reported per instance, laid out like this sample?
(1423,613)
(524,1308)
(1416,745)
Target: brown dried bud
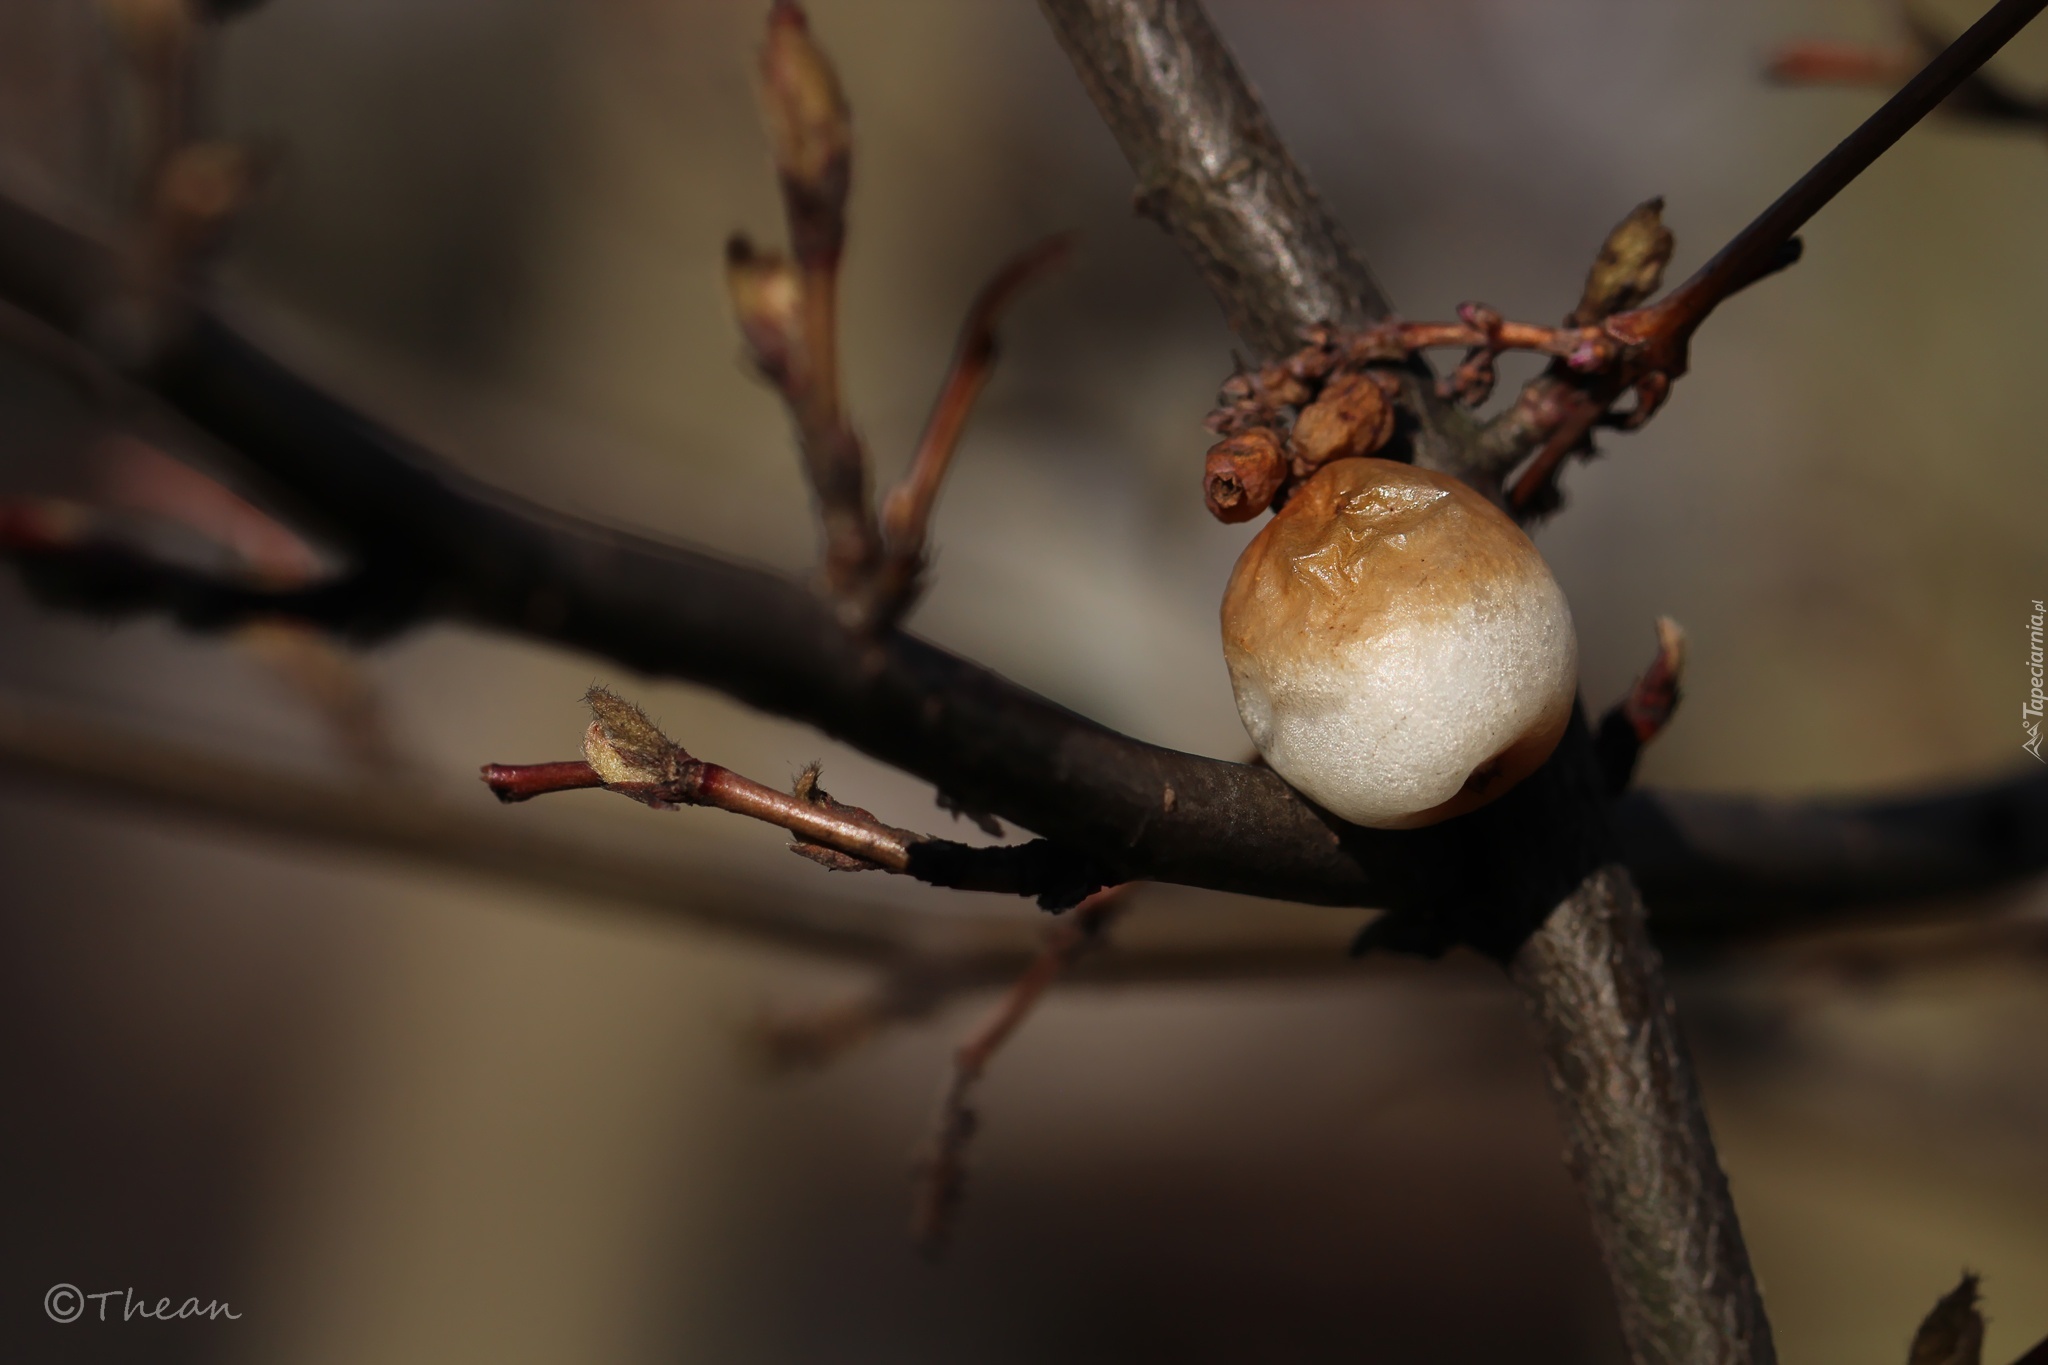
(1353,416)
(626,748)
(1630,265)
(810,128)
(1243,475)
(767,299)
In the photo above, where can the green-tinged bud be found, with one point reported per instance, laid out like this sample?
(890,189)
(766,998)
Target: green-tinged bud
(1630,265)
(624,746)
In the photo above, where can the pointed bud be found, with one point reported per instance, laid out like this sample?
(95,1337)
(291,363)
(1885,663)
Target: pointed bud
(1630,265)
(811,130)
(624,746)
(767,299)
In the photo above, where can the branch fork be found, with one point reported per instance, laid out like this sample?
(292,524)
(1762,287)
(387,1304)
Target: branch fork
(787,310)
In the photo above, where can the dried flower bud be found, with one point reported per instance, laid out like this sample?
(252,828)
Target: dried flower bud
(767,298)
(1352,416)
(811,130)
(1243,475)
(624,746)
(1398,648)
(1630,265)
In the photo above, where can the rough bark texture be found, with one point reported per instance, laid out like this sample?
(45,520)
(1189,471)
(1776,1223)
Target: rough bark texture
(1636,1134)
(1210,167)
(1212,171)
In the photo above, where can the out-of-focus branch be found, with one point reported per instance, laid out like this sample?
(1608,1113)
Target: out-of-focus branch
(811,132)
(942,1168)
(907,511)
(1983,98)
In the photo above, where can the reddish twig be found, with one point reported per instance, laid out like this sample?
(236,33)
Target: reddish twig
(624,752)
(906,512)
(814,1037)
(511,782)
(1829,63)
(1654,697)
(942,1169)
(1982,98)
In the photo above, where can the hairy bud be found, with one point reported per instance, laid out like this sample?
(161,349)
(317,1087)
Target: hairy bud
(1243,475)
(624,747)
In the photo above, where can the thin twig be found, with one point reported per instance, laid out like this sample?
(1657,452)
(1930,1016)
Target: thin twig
(906,512)
(1666,327)
(942,1169)
(1656,339)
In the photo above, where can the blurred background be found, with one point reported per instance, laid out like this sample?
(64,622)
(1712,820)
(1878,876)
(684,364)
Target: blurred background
(397,1113)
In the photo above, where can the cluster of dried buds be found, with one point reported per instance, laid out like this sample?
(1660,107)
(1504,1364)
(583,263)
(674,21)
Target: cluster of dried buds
(1284,421)
(1339,396)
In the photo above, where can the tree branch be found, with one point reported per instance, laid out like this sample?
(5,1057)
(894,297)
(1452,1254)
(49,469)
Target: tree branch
(1723,872)
(1636,1135)
(1212,171)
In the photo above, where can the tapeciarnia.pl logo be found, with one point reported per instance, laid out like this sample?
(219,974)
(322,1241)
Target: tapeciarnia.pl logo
(2030,713)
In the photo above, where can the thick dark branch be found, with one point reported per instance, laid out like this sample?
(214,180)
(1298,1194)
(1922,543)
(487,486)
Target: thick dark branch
(1721,871)
(461,551)
(435,544)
